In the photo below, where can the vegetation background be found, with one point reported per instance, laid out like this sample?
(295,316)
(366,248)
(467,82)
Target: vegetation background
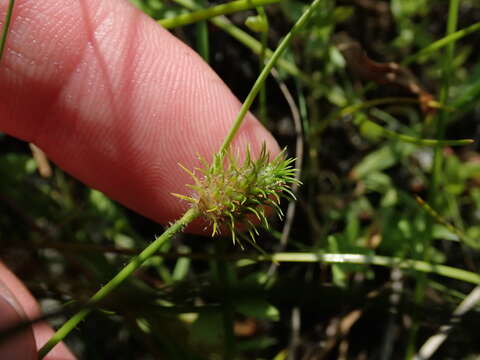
(364,268)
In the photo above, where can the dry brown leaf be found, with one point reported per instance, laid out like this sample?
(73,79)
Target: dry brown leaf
(389,73)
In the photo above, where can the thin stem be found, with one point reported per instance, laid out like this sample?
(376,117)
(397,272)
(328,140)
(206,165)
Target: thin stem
(266,70)
(261,59)
(350,109)
(256,47)
(407,264)
(128,270)
(6,26)
(413,140)
(415,265)
(203,44)
(434,193)
(394,135)
(204,14)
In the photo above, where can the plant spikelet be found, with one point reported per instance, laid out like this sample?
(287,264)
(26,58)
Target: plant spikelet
(229,193)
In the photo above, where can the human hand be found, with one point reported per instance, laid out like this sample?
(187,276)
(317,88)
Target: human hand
(18,305)
(114,100)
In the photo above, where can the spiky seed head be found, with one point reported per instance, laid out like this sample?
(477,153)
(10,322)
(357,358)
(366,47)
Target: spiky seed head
(227,193)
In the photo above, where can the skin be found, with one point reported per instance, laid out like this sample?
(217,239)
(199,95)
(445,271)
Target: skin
(116,101)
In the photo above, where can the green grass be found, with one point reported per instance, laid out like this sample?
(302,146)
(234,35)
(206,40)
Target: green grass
(6,26)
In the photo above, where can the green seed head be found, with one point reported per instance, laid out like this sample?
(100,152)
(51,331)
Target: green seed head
(229,193)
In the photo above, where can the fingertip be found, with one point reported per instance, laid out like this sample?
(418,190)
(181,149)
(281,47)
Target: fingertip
(23,307)
(18,345)
(43,333)
(134,102)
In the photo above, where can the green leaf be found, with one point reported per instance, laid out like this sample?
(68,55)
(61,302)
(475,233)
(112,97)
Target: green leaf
(257,308)
(382,159)
(256,23)
(208,329)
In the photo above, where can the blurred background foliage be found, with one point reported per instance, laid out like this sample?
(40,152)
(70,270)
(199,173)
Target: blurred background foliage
(65,239)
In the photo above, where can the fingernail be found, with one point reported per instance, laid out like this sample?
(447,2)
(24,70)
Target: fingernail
(10,300)
(20,345)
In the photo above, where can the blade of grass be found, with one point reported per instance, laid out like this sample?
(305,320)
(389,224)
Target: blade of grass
(261,60)
(433,191)
(205,14)
(6,26)
(413,140)
(407,264)
(203,45)
(302,257)
(246,39)
(394,135)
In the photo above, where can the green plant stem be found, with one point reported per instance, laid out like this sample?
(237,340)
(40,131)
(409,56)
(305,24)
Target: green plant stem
(413,140)
(407,264)
(204,14)
(266,70)
(261,60)
(247,40)
(394,135)
(434,193)
(256,47)
(203,44)
(416,265)
(6,26)
(128,270)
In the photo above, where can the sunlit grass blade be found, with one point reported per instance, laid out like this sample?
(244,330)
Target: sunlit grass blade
(408,264)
